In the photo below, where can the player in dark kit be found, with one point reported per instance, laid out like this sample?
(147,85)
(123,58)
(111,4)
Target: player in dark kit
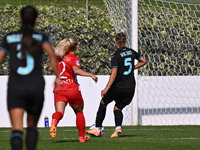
(121,85)
(26,83)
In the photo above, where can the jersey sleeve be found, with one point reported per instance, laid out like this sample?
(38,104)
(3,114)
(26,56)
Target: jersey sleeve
(114,61)
(46,39)
(76,62)
(4,45)
(137,55)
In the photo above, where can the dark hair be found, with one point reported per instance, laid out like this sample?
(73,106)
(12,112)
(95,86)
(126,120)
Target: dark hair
(29,15)
(120,39)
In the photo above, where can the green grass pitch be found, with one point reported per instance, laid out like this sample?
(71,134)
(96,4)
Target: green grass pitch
(132,138)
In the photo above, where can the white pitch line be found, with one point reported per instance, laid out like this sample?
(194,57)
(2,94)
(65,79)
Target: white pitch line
(186,138)
(69,130)
(167,129)
(136,138)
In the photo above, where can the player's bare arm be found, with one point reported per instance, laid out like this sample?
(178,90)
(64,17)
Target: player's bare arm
(81,72)
(2,55)
(142,62)
(110,82)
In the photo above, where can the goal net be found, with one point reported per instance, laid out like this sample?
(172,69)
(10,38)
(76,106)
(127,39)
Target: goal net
(169,39)
(121,15)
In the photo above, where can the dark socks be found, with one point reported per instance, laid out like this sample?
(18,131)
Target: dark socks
(100,115)
(31,138)
(16,140)
(118,117)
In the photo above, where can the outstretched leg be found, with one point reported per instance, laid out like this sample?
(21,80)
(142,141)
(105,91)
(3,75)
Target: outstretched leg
(101,114)
(56,117)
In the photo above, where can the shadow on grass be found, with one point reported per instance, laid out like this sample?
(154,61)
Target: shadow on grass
(66,141)
(128,135)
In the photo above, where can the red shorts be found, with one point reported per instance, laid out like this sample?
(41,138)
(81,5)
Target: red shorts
(71,96)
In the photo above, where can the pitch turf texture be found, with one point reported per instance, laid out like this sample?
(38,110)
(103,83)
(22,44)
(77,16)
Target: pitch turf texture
(132,138)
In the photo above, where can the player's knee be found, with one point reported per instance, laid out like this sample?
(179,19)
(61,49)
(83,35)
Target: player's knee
(116,108)
(103,102)
(77,109)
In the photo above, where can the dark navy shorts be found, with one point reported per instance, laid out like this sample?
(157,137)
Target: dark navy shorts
(122,97)
(30,98)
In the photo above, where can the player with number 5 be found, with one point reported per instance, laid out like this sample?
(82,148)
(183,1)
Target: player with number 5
(121,85)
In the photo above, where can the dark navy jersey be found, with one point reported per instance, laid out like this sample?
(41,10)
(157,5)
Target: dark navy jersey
(124,60)
(28,67)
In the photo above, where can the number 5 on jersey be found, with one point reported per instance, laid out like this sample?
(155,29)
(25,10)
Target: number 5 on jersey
(127,62)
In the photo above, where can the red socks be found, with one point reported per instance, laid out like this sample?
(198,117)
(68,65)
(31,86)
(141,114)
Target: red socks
(56,117)
(80,124)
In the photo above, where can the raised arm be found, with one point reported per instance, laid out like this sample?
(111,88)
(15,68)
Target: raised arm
(81,72)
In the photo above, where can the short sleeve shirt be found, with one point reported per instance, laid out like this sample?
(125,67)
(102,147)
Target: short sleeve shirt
(124,60)
(67,75)
(25,69)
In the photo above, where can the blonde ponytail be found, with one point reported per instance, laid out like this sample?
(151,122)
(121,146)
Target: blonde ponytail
(67,45)
(63,48)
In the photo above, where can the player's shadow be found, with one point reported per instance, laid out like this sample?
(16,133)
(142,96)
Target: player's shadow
(66,141)
(124,135)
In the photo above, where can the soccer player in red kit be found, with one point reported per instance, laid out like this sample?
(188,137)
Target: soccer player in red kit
(69,67)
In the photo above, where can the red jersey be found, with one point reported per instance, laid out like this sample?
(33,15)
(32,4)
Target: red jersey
(68,78)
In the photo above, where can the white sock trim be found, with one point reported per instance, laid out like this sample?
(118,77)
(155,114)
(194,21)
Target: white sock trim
(98,128)
(118,127)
